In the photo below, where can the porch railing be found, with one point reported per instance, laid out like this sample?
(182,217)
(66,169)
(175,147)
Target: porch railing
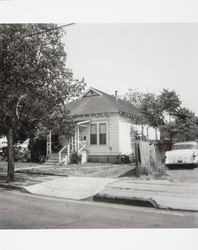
(64,160)
(52,147)
(68,149)
(82,145)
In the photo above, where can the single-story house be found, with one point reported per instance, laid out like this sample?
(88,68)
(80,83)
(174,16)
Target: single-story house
(105,126)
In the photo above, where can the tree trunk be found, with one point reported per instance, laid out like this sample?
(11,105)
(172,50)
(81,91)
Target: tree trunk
(10,173)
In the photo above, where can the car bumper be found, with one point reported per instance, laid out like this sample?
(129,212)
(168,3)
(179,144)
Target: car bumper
(183,164)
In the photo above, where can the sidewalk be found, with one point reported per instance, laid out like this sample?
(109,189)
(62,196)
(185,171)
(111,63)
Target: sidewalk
(151,193)
(77,188)
(155,193)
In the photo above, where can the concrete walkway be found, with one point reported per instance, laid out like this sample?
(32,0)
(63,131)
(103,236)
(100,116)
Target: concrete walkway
(160,194)
(70,187)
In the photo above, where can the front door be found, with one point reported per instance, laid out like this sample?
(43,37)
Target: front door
(56,146)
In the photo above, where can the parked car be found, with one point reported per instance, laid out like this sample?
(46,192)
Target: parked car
(182,154)
(3,143)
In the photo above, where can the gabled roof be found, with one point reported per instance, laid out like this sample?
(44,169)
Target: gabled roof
(94,101)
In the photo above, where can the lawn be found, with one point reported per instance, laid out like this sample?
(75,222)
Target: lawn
(98,170)
(89,169)
(3,165)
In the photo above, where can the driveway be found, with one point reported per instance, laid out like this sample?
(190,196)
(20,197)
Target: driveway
(70,187)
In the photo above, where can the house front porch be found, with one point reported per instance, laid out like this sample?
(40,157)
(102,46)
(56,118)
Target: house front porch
(59,149)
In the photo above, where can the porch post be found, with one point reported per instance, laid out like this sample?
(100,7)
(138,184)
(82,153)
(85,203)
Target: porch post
(75,138)
(72,143)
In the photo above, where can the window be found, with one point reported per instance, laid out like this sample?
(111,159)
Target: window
(98,134)
(102,133)
(93,134)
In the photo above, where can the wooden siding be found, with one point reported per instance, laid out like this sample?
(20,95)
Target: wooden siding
(125,135)
(112,146)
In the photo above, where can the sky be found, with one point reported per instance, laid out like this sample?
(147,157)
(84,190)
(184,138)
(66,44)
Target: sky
(147,57)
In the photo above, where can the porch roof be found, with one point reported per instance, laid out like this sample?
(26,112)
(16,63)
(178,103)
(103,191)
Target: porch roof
(82,122)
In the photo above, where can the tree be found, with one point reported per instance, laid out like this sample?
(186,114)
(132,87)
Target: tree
(148,104)
(151,109)
(186,123)
(181,125)
(169,103)
(135,97)
(183,128)
(34,81)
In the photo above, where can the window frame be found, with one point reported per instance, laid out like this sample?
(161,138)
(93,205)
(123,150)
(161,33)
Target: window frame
(93,134)
(102,123)
(98,133)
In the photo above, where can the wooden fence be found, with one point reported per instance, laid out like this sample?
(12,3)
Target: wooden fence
(145,156)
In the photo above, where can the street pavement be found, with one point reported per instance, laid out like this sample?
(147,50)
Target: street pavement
(26,211)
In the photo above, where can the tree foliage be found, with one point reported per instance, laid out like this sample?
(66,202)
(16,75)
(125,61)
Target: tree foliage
(34,80)
(165,111)
(169,102)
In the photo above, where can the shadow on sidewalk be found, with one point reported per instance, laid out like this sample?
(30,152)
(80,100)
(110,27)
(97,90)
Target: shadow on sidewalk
(130,173)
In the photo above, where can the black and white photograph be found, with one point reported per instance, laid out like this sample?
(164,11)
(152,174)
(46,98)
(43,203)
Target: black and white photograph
(98,126)
(119,137)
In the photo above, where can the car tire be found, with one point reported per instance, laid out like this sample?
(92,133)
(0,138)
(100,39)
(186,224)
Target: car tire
(169,167)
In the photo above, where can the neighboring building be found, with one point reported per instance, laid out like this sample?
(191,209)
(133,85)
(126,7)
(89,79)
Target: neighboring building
(105,126)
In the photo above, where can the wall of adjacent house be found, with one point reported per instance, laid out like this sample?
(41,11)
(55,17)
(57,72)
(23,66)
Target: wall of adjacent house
(149,132)
(153,133)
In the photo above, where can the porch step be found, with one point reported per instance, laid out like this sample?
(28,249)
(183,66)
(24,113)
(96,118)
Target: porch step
(54,159)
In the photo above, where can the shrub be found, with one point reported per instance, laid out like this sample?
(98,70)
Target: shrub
(125,159)
(75,158)
(37,150)
(20,153)
(156,169)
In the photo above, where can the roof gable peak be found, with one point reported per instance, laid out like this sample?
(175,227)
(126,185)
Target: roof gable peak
(91,92)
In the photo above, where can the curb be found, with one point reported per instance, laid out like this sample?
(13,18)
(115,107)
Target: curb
(134,201)
(14,187)
(24,172)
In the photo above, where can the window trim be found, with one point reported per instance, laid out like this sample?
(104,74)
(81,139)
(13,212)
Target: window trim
(93,134)
(102,123)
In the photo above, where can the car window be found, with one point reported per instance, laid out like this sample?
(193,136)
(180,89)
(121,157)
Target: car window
(183,146)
